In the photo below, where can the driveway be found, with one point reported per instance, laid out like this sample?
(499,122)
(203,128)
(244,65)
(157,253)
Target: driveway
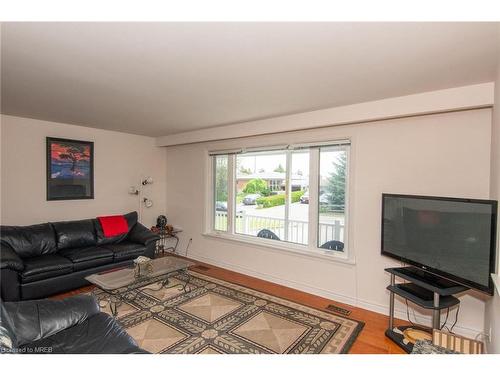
(298,211)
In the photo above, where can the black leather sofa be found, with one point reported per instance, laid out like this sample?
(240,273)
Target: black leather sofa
(44,259)
(70,326)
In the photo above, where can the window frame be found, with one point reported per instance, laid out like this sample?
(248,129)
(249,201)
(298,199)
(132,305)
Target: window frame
(309,250)
(214,192)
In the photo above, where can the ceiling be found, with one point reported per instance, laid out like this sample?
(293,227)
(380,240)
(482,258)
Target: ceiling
(158,79)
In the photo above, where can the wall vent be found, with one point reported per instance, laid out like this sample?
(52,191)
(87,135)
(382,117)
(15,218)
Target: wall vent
(200,268)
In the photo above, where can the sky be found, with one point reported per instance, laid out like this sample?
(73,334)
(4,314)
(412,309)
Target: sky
(300,162)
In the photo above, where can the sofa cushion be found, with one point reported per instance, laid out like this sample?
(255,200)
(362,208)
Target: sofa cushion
(126,250)
(87,257)
(131,219)
(29,241)
(77,233)
(99,334)
(37,319)
(44,267)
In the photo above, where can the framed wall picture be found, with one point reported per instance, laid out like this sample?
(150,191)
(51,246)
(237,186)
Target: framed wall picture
(70,169)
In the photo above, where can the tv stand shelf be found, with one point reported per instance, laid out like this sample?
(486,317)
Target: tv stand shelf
(427,281)
(425,290)
(421,297)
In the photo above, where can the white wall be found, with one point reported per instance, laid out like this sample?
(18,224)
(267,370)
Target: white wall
(454,99)
(120,160)
(492,314)
(443,154)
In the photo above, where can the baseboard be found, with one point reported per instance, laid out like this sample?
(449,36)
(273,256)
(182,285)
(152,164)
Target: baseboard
(277,280)
(367,305)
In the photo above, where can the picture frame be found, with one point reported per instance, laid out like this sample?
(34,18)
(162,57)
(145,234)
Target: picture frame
(70,169)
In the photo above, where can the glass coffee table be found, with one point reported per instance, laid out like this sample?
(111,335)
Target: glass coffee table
(122,283)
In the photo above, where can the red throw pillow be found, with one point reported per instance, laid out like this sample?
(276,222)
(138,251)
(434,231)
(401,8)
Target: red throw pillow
(113,225)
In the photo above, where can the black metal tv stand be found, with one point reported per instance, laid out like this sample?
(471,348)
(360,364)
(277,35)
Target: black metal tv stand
(425,290)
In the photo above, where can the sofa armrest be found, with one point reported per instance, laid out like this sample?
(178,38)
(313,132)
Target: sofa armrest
(38,319)
(142,235)
(9,259)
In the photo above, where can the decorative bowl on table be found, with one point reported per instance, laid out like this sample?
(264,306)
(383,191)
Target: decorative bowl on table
(143,266)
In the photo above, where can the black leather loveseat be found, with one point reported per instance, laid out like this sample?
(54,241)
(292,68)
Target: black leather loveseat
(41,260)
(73,325)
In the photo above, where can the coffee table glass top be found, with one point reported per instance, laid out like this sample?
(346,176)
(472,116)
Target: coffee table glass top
(123,277)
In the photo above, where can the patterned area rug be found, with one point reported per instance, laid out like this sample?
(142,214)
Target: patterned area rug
(220,317)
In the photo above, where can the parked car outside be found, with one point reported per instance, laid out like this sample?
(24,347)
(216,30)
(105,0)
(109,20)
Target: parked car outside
(221,206)
(324,198)
(304,199)
(251,199)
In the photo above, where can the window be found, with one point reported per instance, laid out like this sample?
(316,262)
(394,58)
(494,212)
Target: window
(298,211)
(260,206)
(220,192)
(292,194)
(275,185)
(332,197)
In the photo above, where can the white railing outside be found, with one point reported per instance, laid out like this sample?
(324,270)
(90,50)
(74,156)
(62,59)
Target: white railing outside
(297,229)
(220,222)
(328,232)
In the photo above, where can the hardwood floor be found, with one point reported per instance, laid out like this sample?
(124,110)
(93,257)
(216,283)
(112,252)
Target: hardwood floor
(371,340)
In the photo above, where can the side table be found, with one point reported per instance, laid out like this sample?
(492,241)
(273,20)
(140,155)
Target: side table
(162,244)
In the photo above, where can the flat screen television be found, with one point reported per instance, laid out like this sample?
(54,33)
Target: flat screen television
(450,237)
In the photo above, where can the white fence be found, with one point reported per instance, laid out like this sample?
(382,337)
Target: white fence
(297,229)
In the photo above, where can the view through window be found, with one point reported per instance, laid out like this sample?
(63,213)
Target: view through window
(272,198)
(332,198)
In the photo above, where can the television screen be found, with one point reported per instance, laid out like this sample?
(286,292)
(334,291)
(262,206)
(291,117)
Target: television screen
(450,237)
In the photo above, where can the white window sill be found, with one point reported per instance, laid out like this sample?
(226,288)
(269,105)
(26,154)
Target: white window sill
(496,282)
(285,247)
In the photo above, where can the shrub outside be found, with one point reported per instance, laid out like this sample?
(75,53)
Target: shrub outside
(278,200)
